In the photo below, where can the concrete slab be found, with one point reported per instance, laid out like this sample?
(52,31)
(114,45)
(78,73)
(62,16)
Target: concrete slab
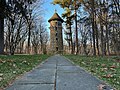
(68,69)
(47,66)
(76,81)
(41,76)
(32,87)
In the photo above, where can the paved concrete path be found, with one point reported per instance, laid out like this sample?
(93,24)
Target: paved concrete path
(56,73)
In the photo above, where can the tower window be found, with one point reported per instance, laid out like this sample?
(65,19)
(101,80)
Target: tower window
(59,23)
(57,39)
(56,48)
(56,34)
(56,23)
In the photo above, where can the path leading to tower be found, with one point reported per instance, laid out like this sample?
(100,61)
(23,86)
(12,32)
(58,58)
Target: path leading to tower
(57,73)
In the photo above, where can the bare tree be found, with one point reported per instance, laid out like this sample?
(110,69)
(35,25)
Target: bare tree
(15,32)
(39,37)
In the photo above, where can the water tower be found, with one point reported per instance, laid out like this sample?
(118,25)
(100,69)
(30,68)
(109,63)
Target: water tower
(56,38)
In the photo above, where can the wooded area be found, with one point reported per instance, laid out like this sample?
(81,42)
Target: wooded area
(21,26)
(92,27)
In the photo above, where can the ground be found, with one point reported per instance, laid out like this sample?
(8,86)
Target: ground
(59,73)
(105,68)
(13,66)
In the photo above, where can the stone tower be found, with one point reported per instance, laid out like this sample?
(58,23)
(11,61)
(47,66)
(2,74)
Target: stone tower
(56,38)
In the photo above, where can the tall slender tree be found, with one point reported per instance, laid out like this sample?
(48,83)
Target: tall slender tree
(71,5)
(8,8)
(2,16)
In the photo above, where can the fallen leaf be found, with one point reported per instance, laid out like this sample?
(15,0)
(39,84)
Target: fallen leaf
(104,69)
(98,64)
(14,72)
(14,65)
(113,66)
(108,76)
(10,61)
(118,61)
(1,74)
(1,78)
(103,65)
(101,87)
(112,69)
(0,61)
(1,89)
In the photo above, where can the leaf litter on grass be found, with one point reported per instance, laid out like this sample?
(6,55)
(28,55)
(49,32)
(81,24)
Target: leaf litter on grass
(107,68)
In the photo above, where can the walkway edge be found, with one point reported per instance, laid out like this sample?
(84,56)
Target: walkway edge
(21,75)
(102,82)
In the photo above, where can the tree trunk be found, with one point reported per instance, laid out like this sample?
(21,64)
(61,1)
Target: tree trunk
(93,28)
(72,51)
(29,35)
(97,41)
(29,32)
(2,7)
(22,46)
(102,40)
(1,35)
(107,40)
(35,49)
(44,49)
(76,30)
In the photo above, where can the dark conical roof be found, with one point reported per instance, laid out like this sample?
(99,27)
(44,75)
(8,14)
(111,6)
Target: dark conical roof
(56,17)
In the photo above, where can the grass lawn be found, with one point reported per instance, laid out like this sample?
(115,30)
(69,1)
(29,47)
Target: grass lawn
(13,66)
(105,68)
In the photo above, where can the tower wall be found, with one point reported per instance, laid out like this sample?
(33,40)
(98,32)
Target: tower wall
(56,38)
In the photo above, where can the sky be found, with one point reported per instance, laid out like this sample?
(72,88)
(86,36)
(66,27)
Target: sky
(50,9)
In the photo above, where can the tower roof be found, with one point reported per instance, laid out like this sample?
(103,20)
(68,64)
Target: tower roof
(56,17)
